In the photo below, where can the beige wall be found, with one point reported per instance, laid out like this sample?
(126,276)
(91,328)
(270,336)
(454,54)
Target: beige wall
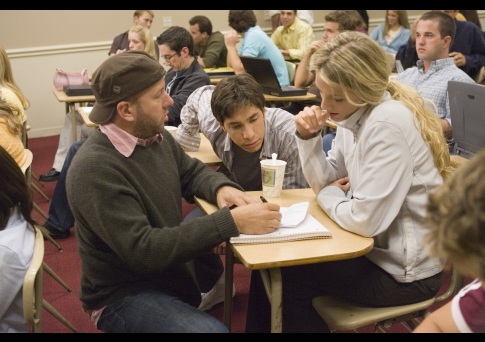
(38,42)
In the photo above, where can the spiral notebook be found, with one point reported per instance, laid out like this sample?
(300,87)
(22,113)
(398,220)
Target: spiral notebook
(308,229)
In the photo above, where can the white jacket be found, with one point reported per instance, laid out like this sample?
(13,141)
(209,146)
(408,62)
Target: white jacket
(391,172)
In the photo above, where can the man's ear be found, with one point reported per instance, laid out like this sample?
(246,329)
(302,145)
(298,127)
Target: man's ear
(447,42)
(125,111)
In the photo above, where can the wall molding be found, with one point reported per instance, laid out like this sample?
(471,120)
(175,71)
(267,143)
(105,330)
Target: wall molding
(106,45)
(59,49)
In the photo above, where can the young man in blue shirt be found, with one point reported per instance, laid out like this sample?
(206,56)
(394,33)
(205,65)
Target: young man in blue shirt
(255,43)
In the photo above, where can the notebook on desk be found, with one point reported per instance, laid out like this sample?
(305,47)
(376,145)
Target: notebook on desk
(467,103)
(296,224)
(262,71)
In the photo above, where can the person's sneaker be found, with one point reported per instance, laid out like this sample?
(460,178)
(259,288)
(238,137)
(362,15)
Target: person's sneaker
(56,234)
(215,296)
(51,176)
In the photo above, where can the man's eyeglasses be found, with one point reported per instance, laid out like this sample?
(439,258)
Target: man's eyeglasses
(168,58)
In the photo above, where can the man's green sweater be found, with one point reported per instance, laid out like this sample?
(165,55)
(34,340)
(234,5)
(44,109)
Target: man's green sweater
(128,213)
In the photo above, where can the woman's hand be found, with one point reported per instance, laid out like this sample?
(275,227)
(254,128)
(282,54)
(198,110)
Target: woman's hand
(310,121)
(342,183)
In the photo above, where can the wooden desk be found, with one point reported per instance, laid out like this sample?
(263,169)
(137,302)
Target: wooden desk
(457,161)
(205,153)
(268,258)
(70,102)
(273,99)
(85,117)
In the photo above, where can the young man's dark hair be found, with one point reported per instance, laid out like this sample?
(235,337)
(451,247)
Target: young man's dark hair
(241,20)
(446,24)
(235,92)
(204,23)
(177,38)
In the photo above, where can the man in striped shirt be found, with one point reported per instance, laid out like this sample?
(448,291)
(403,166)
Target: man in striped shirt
(242,131)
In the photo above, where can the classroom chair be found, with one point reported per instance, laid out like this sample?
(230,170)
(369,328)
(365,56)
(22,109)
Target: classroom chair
(27,170)
(291,67)
(24,138)
(33,300)
(480,77)
(345,315)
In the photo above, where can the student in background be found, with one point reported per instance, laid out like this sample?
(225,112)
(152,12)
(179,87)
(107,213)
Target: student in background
(9,91)
(208,45)
(393,32)
(468,49)
(255,43)
(434,36)
(387,160)
(140,18)
(294,36)
(335,22)
(304,15)
(456,215)
(10,130)
(141,39)
(185,74)
(16,243)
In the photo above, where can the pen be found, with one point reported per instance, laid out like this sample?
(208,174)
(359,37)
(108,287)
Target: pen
(263,199)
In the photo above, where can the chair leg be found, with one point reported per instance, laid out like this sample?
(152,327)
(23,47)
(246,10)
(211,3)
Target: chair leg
(58,316)
(38,181)
(48,237)
(40,211)
(36,188)
(56,277)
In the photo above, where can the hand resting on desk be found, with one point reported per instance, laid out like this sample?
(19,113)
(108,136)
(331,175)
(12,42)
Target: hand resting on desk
(251,216)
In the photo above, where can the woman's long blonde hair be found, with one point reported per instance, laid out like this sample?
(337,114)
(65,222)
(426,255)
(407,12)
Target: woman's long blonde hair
(147,38)
(356,62)
(6,78)
(9,117)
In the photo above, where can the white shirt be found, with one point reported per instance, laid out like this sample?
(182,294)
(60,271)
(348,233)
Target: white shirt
(16,250)
(391,172)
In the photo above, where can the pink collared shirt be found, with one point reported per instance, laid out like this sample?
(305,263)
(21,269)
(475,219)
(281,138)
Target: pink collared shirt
(123,141)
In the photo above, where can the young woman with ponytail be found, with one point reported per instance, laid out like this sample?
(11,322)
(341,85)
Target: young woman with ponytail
(389,154)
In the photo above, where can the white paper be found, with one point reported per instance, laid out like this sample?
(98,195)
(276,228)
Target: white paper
(293,215)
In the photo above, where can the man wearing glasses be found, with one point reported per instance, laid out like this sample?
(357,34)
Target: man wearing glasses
(186,75)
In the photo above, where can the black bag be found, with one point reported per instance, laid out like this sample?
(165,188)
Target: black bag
(78,90)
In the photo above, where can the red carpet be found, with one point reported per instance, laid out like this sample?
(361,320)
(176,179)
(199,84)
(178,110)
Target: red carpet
(67,264)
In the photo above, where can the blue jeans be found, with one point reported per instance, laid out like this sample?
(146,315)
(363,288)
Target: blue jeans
(156,312)
(60,214)
(327,142)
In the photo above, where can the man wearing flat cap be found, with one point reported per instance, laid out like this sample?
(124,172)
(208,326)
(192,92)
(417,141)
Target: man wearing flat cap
(125,187)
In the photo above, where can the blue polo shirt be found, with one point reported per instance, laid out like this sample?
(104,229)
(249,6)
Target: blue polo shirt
(256,43)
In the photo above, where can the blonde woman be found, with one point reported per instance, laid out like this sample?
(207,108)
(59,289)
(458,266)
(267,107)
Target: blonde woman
(389,154)
(140,38)
(9,91)
(393,32)
(10,129)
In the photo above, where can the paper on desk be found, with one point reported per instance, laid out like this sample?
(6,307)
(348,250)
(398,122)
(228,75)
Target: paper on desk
(87,110)
(293,215)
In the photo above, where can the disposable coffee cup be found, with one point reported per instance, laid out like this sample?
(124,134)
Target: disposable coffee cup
(172,130)
(272,175)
